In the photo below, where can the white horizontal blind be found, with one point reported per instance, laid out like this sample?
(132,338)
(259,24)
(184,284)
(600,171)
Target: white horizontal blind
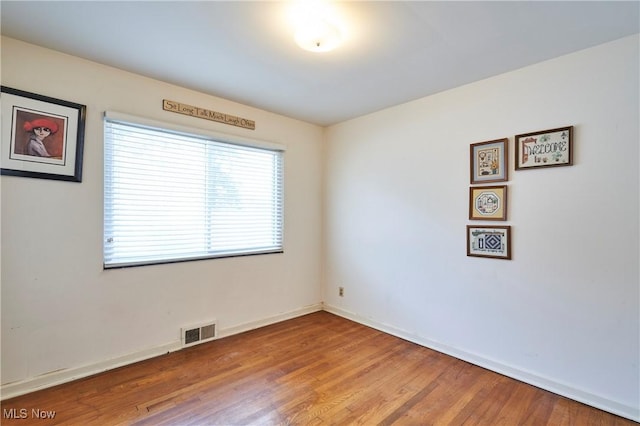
(171,196)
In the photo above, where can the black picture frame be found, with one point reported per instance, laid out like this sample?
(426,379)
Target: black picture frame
(42,137)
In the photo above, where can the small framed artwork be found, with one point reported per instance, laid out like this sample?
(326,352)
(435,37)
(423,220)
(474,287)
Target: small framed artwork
(492,241)
(546,148)
(488,203)
(489,161)
(41,137)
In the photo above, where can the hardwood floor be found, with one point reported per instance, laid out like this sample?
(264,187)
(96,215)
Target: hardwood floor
(314,370)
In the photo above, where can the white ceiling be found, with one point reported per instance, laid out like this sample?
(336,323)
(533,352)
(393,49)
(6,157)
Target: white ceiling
(244,51)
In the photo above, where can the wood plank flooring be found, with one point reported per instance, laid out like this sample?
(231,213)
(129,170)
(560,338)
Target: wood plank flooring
(318,369)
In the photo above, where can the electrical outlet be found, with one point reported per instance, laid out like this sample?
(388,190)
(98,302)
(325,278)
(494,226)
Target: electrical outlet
(341,291)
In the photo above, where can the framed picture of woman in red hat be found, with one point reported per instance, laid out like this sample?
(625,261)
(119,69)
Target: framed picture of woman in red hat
(42,137)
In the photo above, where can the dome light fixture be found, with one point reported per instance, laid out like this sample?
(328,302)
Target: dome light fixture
(317,27)
(318,36)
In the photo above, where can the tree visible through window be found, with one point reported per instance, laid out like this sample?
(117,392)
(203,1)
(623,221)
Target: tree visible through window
(171,196)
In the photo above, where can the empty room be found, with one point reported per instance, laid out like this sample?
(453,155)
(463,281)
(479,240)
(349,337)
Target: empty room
(306,212)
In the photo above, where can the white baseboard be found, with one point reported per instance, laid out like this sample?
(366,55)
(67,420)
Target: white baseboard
(59,377)
(271,320)
(54,378)
(605,404)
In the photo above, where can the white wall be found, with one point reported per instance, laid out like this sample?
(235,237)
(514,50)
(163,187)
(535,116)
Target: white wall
(564,313)
(62,311)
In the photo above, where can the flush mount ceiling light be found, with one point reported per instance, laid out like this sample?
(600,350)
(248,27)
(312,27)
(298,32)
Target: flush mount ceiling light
(317,28)
(318,36)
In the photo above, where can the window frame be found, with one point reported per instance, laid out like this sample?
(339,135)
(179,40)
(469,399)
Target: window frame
(216,137)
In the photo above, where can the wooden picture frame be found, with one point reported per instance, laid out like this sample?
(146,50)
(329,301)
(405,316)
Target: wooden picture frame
(545,148)
(489,161)
(42,137)
(488,202)
(493,241)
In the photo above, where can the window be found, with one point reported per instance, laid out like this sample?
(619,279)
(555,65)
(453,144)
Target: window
(171,195)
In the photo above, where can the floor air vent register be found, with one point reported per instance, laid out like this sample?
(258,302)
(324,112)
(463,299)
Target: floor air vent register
(197,334)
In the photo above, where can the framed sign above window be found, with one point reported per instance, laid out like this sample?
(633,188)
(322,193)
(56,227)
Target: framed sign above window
(42,137)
